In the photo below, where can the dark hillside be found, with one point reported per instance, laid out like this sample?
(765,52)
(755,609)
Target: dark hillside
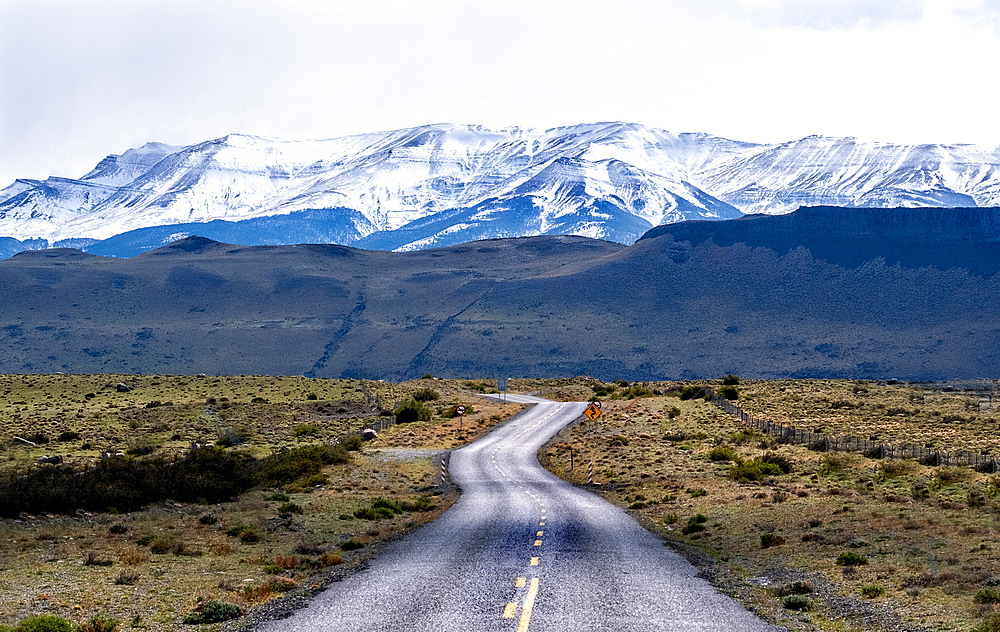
(967,238)
(749,296)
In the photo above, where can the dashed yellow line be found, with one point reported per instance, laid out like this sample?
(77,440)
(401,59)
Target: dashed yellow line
(539,534)
(538,543)
(529,604)
(520,582)
(534,561)
(508,612)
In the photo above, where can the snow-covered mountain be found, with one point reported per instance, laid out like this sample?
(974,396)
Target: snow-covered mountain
(443,184)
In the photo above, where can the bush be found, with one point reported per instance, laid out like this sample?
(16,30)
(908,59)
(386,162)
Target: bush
(352,545)
(412,411)
(99,623)
(214,611)
(729,392)
(290,508)
(871,591)
(118,529)
(127,578)
(987,596)
(68,436)
(850,558)
(279,497)
(692,392)
(796,602)
(767,540)
(44,623)
(618,440)
(783,462)
(426,395)
(722,453)
(753,471)
(794,588)
(307,430)
(161,544)
(730,380)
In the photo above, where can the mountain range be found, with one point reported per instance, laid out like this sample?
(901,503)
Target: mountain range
(438,185)
(821,292)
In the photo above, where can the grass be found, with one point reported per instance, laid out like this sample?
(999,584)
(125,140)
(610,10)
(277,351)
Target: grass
(929,532)
(172,557)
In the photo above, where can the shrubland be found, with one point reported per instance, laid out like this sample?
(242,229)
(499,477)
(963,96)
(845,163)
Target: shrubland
(812,539)
(247,491)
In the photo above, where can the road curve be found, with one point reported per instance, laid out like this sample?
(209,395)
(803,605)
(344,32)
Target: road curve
(523,550)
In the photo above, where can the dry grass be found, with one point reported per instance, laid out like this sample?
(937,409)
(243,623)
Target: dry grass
(171,556)
(929,533)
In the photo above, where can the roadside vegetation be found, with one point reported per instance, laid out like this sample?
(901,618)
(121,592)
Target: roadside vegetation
(185,500)
(811,539)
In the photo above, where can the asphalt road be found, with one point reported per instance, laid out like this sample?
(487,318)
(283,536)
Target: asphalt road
(523,550)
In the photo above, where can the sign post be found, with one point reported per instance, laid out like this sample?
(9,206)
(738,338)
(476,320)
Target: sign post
(593,412)
(461,415)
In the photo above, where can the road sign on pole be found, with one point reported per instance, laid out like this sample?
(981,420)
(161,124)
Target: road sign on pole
(593,411)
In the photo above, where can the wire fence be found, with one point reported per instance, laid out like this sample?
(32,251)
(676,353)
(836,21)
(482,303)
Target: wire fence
(873,448)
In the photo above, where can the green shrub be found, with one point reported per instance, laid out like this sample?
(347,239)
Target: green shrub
(234,532)
(987,596)
(387,503)
(730,380)
(722,453)
(353,443)
(279,497)
(695,524)
(850,558)
(352,545)
(144,540)
(698,493)
(796,602)
(729,392)
(871,591)
(426,395)
(412,411)
(118,528)
(249,535)
(767,540)
(783,463)
(317,479)
(692,392)
(753,471)
(214,611)
(161,544)
(290,508)
(618,440)
(68,436)
(99,623)
(44,623)
(674,412)
(307,430)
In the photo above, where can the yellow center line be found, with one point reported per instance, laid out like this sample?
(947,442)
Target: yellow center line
(538,543)
(529,604)
(539,534)
(520,582)
(534,561)
(509,610)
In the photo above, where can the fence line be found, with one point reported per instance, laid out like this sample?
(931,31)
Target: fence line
(824,442)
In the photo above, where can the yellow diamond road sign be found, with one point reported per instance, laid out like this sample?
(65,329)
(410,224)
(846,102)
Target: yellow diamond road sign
(593,411)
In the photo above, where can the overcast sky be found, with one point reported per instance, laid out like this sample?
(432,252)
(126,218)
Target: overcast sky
(80,79)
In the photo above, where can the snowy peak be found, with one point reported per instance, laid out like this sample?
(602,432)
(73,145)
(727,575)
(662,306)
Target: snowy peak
(610,180)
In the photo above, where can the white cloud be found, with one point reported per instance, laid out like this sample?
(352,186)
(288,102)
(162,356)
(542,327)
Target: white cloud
(80,80)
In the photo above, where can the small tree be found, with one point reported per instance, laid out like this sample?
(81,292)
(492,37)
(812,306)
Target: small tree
(412,411)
